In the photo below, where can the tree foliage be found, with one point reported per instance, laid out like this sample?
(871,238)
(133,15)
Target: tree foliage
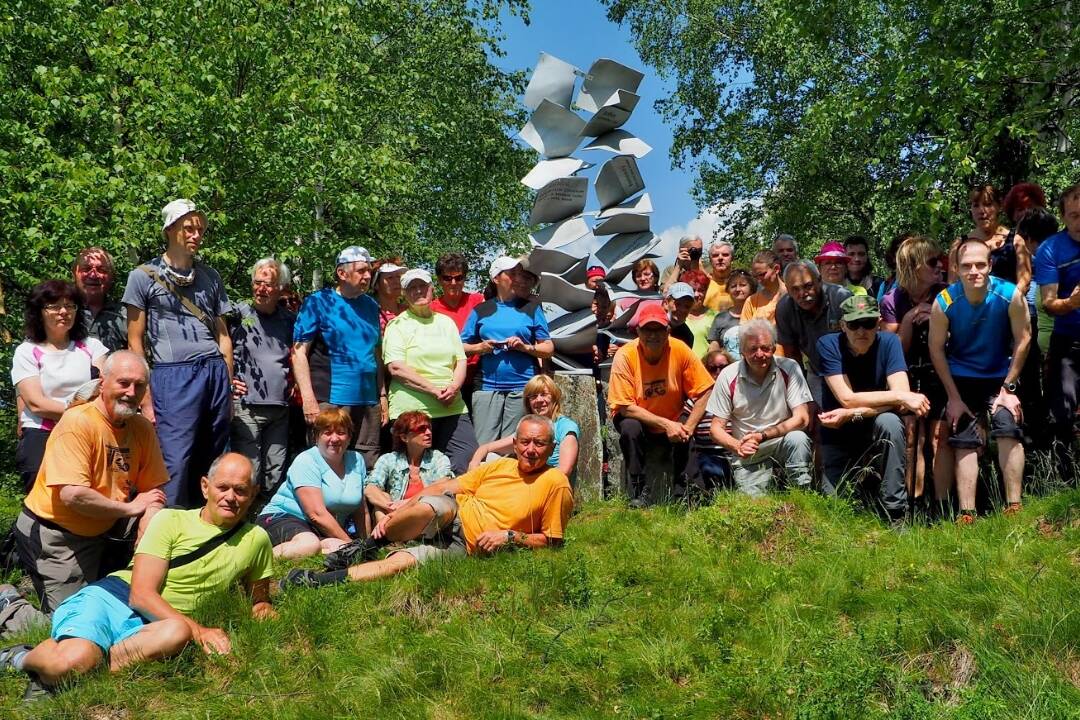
(300,126)
(840,116)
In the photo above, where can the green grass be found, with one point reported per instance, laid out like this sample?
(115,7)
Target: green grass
(790,607)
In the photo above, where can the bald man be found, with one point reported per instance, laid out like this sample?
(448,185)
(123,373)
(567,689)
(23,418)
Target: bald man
(144,612)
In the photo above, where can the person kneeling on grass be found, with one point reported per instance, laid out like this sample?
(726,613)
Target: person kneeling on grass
(143,613)
(505,504)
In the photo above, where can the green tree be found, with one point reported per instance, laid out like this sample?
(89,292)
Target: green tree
(843,116)
(301,127)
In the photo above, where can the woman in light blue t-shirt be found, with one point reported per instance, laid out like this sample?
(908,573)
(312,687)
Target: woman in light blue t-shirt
(541,397)
(323,487)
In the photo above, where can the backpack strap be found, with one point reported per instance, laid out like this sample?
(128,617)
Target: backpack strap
(194,310)
(206,548)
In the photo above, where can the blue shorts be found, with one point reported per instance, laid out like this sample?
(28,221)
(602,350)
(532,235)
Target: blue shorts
(96,614)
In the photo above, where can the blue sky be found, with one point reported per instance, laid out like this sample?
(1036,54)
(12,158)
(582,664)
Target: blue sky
(579,32)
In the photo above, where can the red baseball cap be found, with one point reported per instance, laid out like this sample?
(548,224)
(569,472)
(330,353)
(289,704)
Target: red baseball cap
(595,271)
(652,312)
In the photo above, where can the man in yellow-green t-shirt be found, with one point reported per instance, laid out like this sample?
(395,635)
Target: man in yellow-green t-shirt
(143,613)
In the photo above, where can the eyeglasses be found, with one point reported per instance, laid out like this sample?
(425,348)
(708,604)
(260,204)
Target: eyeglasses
(55,308)
(862,324)
(261,283)
(452,278)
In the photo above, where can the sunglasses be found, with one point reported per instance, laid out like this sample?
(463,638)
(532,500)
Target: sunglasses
(452,278)
(862,324)
(934,262)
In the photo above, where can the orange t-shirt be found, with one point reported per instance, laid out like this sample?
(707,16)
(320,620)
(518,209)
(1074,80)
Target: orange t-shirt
(661,388)
(758,307)
(496,496)
(85,449)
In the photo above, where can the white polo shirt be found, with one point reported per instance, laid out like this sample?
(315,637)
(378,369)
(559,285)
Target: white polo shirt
(752,407)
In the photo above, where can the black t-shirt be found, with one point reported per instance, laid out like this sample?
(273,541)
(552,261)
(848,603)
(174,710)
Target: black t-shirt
(684,333)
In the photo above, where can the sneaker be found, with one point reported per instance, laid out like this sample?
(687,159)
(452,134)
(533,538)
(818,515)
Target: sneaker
(8,655)
(35,690)
(352,553)
(298,577)
(1012,509)
(965,518)
(8,595)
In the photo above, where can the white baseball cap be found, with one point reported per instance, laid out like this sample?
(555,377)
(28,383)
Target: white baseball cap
(501,265)
(415,274)
(679,290)
(389,268)
(176,210)
(353,253)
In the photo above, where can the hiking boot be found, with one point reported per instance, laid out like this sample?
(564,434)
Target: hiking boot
(1012,509)
(966,517)
(35,690)
(642,495)
(899,523)
(298,577)
(353,553)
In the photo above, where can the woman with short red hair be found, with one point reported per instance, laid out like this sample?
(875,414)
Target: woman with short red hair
(409,468)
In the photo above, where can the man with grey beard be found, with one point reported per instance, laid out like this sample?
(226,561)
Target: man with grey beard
(102,468)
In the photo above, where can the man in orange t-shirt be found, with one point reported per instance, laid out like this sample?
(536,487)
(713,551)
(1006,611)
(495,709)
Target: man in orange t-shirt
(510,503)
(102,467)
(651,379)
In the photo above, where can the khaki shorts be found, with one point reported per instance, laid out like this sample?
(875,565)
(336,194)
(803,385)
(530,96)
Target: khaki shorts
(60,563)
(439,539)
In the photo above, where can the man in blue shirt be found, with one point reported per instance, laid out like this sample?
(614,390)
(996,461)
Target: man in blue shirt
(979,336)
(865,390)
(1057,274)
(346,319)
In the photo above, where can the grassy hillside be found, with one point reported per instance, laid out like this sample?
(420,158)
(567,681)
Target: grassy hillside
(789,607)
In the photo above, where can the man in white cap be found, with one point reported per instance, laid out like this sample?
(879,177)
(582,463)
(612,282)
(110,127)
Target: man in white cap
(510,334)
(175,305)
(346,319)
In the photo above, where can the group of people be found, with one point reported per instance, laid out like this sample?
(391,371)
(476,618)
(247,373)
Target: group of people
(434,434)
(434,431)
(794,369)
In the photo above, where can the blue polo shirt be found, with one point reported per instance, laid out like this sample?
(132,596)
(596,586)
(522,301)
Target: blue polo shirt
(1058,263)
(506,370)
(350,329)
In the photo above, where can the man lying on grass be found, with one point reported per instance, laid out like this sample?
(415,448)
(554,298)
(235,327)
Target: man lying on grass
(509,503)
(143,613)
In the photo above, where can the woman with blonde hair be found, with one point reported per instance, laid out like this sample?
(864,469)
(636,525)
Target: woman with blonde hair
(905,310)
(542,397)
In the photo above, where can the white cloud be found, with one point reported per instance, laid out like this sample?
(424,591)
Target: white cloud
(709,221)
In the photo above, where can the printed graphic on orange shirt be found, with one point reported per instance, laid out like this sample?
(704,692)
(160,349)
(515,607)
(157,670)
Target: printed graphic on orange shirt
(656,388)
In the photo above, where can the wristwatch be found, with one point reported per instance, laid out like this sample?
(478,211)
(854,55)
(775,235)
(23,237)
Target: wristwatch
(1010,387)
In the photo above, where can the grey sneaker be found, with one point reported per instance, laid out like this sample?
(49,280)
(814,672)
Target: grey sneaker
(8,595)
(8,655)
(298,577)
